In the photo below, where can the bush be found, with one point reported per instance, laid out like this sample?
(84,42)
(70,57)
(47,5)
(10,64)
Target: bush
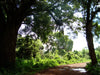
(22,67)
(94,70)
(27,47)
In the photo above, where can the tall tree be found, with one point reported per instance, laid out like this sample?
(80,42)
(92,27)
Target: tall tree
(12,13)
(90,9)
(89,35)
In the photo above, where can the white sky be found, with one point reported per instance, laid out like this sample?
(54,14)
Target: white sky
(79,43)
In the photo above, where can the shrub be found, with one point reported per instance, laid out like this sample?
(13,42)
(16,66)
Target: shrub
(94,70)
(27,47)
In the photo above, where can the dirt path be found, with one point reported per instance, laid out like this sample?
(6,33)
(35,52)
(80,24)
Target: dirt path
(64,70)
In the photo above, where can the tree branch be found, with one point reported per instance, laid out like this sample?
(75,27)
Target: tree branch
(23,10)
(25,7)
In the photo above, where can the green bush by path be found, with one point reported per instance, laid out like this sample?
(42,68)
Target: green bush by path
(95,70)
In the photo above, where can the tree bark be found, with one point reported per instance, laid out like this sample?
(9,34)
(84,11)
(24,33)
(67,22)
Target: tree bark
(7,45)
(90,44)
(89,35)
(11,18)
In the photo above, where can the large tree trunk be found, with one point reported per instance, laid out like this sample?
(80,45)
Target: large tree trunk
(7,45)
(11,18)
(8,32)
(89,38)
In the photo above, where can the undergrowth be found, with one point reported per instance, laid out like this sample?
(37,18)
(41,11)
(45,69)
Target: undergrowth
(93,69)
(41,62)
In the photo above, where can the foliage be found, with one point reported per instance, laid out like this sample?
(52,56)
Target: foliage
(43,61)
(22,67)
(97,51)
(93,69)
(96,30)
(42,25)
(98,48)
(97,54)
(27,47)
(61,42)
(47,15)
(85,53)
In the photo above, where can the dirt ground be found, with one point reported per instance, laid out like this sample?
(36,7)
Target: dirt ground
(64,70)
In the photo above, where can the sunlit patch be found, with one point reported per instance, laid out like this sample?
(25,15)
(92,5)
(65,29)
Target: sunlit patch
(79,69)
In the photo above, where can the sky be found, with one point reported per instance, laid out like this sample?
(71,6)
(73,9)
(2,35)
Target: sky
(79,42)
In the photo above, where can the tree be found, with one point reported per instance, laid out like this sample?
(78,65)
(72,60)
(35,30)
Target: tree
(14,13)
(90,9)
(89,35)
